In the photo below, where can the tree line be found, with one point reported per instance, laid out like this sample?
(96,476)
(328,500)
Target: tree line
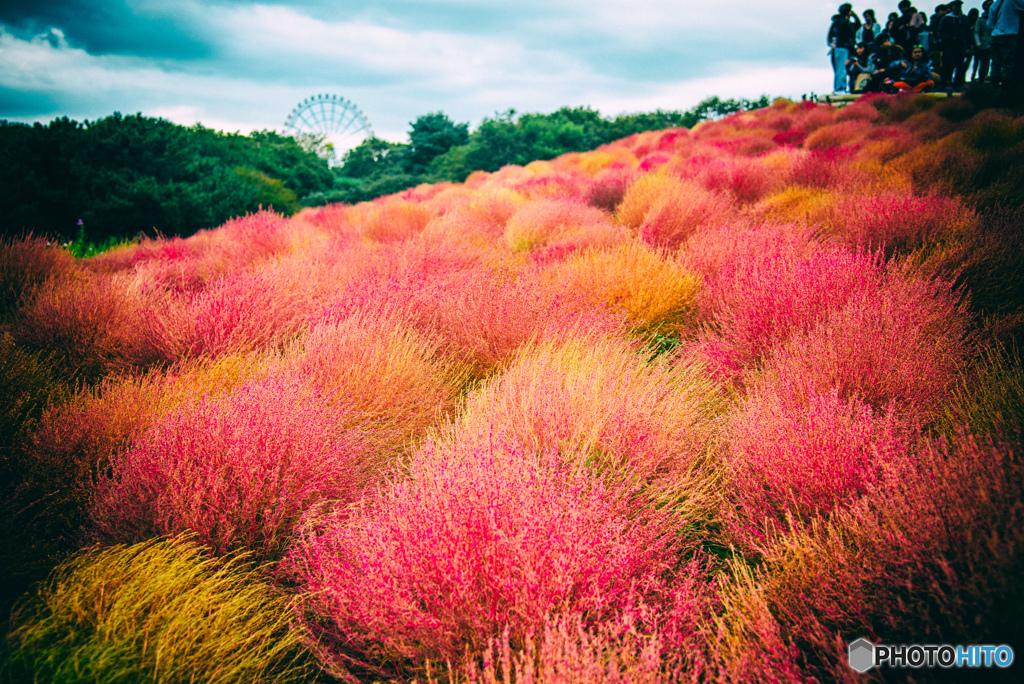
(442,150)
(117,177)
(122,175)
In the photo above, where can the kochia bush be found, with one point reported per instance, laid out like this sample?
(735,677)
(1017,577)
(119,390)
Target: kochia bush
(237,471)
(466,542)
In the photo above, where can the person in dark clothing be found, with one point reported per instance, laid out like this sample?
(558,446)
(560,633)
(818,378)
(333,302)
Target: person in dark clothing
(936,19)
(904,36)
(953,38)
(870,29)
(841,36)
(934,44)
(970,56)
(859,68)
(913,75)
(883,59)
(890,32)
(982,43)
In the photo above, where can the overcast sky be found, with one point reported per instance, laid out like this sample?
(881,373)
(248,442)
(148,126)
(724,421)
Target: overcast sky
(242,66)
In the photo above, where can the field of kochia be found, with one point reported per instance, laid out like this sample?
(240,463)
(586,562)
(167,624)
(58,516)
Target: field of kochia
(699,406)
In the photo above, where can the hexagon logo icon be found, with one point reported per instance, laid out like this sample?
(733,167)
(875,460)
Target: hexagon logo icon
(862,655)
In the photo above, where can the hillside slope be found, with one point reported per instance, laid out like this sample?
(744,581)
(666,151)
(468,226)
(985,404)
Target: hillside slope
(699,405)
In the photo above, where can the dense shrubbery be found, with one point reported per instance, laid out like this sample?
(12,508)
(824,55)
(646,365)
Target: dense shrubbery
(123,175)
(697,406)
(441,150)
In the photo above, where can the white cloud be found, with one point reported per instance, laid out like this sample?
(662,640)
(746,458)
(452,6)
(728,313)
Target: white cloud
(534,56)
(746,81)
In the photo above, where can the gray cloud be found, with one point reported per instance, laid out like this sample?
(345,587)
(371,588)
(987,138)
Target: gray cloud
(112,27)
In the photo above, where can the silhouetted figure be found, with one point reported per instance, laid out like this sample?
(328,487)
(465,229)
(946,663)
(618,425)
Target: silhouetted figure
(1004,22)
(982,44)
(953,36)
(841,38)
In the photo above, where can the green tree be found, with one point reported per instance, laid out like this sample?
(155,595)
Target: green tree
(122,175)
(434,152)
(431,136)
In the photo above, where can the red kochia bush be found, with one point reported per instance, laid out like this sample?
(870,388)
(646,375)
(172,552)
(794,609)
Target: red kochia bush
(468,541)
(791,461)
(25,264)
(237,470)
(91,325)
(905,342)
(759,300)
(240,312)
(478,317)
(898,221)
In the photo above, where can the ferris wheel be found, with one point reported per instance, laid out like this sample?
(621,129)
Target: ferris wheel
(338,121)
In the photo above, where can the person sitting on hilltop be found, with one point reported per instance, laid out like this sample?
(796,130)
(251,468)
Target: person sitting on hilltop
(913,75)
(860,68)
(882,65)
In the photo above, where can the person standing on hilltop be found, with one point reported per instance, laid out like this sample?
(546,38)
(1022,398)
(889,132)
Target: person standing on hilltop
(842,35)
(934,43)
(983,42)
(906,36)
(953,38)
(869,30)
(1004,23)
(919,27)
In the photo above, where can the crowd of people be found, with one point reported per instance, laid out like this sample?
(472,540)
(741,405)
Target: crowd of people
(915,52)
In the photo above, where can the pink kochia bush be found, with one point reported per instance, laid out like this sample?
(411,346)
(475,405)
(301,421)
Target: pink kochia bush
(187,265)
(758,300)
(793,461)
(467,543)
(237,471)
(904,343)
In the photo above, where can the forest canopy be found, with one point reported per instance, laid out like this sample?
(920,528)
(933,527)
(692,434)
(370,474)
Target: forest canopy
(119,176)
(442,150)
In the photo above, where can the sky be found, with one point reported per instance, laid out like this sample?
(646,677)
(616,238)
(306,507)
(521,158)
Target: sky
(242,66)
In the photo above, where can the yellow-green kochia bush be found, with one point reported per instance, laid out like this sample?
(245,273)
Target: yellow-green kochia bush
(160,611)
